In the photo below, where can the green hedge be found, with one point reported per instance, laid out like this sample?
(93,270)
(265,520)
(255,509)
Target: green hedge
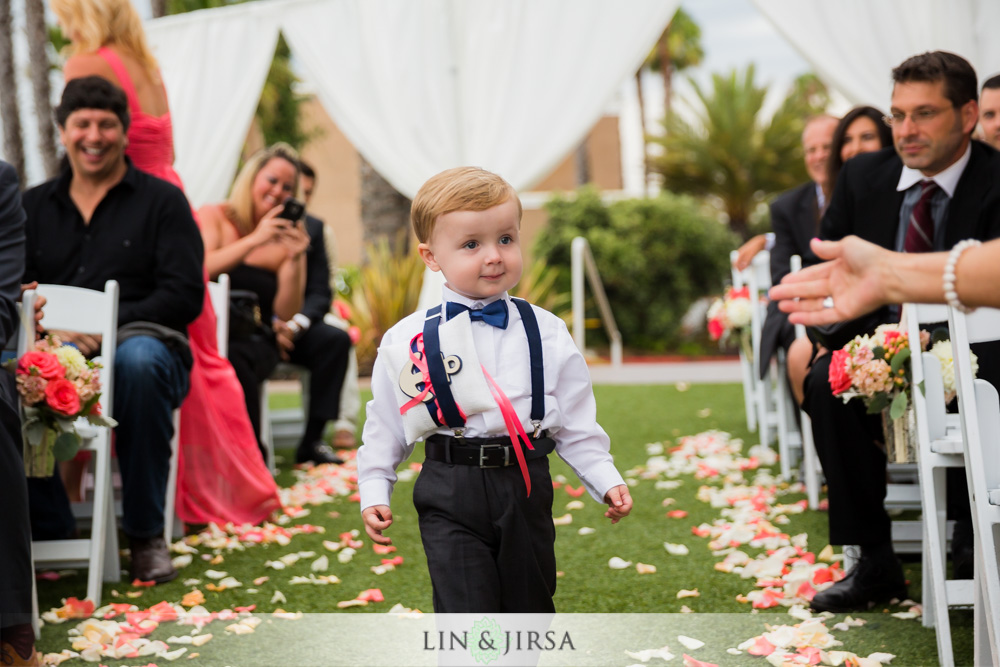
(655,256)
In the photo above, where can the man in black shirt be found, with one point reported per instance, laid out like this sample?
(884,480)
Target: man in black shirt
(308,341)
(102,219)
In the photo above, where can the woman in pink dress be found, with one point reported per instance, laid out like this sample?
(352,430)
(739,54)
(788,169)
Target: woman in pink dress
(221,477)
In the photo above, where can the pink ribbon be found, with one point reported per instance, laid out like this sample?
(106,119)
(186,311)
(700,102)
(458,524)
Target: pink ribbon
(513,424)
(514,428)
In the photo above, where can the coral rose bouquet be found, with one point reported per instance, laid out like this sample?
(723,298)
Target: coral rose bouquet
(874,368)
(729,316)
(57,386)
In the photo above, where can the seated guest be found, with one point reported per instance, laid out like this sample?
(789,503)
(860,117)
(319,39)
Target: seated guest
(273,261)
(989,111)
(934,190)
(795,219)
(102,219)
(17,638)
(346,426)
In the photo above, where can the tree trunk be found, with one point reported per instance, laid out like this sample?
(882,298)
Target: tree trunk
(159,8)
(741,226)
(38,40)
(666,70)
(385,213)
(13,143)
(642,127)
(582,164)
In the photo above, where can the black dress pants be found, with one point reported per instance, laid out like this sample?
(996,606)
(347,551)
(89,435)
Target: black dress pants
(489,547)
(325,352)
(15,529)
(322,349)
(853,464)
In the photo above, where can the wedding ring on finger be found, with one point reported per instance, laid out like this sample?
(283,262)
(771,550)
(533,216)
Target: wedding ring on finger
(828,302)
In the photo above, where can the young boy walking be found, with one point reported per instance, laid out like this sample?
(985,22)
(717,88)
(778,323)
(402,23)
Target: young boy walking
(492,385)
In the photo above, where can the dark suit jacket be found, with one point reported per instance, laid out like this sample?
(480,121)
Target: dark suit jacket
(15,554)
(794,220)
(865,203)
(11,251)
(318,295)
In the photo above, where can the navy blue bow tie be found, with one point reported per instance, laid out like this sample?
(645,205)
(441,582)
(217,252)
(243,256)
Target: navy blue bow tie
(494,314)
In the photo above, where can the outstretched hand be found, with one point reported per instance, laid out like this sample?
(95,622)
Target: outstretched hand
(619,503)
(377,518)
(851,278)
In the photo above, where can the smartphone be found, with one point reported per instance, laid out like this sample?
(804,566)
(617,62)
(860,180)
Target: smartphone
(293,210)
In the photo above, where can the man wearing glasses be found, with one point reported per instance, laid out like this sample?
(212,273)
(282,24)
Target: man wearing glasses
(935,188)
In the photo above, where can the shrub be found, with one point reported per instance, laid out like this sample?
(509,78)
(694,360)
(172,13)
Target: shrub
(655,256)
(385,290)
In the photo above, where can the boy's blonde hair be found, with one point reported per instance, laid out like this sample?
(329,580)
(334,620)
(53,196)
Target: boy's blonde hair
(458,189)
(239,206)
(97,23)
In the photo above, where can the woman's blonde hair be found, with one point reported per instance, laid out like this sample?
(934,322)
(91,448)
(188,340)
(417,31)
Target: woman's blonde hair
(239,206)
(97,23)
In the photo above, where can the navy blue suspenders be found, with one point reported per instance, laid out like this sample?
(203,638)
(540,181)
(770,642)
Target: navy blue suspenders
(440,380)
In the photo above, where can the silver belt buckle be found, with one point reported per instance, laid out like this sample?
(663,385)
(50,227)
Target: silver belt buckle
(482,456)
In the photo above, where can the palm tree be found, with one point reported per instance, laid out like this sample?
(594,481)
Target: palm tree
(13,142)
(678,48)
(731,154)
(38,42)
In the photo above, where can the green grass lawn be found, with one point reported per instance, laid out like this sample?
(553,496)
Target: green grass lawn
(633,416)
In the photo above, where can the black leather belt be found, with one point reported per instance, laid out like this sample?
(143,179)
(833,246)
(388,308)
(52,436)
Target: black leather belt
(483,452)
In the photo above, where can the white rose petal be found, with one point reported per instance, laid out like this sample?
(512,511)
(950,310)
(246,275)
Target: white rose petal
(648,654)
(181,561)
(586,530)
(617,563)
(690,643)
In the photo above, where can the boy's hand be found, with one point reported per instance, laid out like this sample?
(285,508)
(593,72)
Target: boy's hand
(378,518)
(619,503)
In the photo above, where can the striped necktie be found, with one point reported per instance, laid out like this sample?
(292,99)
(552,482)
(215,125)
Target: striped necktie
(920,233)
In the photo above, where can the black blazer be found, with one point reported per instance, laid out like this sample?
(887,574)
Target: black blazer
(794,221)
(318,296)
(865,203)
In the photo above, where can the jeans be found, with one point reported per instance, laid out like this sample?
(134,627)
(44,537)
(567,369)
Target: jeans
(151,381)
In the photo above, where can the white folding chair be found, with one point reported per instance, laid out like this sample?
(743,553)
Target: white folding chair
(759,282)
(218,293)
(939,447)
(749,375)
(811,470)
(90,312)
(979,408)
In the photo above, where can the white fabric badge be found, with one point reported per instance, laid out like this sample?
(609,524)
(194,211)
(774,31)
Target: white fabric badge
(468,384)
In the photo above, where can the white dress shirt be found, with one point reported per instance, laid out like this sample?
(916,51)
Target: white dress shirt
(570,408)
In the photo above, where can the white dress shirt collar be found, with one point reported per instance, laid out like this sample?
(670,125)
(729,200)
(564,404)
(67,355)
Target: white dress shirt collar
(448,294)
(947,180)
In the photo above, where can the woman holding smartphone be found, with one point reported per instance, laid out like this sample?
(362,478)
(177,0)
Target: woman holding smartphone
(251,237)
(221,477)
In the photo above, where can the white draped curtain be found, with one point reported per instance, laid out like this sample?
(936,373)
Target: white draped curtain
(854,44)
(417,87)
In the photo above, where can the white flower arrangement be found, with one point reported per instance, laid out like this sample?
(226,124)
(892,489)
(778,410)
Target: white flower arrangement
(942,350)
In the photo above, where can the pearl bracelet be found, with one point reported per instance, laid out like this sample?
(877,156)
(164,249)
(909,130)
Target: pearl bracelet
(948,277)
